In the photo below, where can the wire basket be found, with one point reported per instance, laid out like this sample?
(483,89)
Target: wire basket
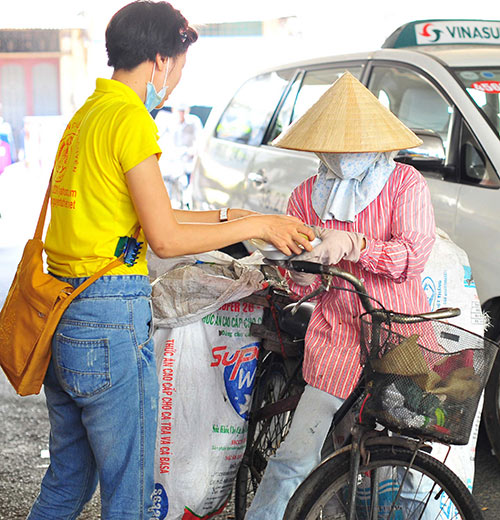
(424,379)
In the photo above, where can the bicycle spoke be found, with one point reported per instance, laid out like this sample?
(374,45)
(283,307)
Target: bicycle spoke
(386,490)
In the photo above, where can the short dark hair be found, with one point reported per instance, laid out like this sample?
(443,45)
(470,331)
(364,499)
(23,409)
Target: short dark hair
(142,29)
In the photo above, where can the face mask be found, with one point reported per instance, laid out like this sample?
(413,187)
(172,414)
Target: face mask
(153,98)
(347,165)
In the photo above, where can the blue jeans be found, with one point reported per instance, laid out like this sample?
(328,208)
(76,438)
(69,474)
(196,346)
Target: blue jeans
(299,454)
(101,390)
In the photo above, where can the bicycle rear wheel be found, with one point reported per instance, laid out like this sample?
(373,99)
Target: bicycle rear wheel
(264,435)
(428,491)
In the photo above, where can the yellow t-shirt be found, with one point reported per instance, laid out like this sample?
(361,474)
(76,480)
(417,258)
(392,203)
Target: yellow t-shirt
(90,203)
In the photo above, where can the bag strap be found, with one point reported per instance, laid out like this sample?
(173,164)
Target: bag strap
(43,212)
(38,235)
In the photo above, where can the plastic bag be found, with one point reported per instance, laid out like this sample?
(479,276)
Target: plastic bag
(448,282)
(192,287)
(206,371)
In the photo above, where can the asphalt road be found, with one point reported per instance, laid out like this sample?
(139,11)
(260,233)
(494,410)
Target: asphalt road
(24,433)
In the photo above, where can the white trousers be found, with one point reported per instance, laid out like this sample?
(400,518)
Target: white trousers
(297,456)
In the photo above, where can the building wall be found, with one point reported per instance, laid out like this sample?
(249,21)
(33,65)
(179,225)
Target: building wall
(37,82)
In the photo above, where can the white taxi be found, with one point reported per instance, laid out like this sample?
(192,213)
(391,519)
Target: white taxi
(442,79)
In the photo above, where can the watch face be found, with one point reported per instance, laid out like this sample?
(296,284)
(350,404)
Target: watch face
(223,215)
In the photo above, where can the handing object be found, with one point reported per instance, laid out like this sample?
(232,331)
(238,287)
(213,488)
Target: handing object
(272,252)
(335,246)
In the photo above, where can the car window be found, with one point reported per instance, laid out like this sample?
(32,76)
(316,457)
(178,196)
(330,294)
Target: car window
(284,115)
(474,165)
(304,92)
(315,83)
(483,85)
(247,116)
(418,104)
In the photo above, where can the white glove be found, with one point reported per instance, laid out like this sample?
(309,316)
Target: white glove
(335,245)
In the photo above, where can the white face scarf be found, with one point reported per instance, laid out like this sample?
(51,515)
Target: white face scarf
(348,182)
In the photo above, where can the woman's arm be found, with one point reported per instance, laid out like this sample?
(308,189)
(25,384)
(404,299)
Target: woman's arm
(209,217)
(168,237)
(413,234)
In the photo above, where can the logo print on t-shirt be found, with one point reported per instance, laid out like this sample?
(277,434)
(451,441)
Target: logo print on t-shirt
(68,150)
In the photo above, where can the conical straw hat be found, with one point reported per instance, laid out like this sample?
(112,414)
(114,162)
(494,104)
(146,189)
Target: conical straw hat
(347,118)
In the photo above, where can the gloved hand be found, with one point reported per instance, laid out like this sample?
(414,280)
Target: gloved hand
(335,245)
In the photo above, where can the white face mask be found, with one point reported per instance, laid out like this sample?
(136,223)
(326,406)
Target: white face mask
(348,165)
(153,98)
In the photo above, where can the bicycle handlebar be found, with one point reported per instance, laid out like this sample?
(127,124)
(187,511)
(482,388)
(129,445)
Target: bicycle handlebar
(331,270)
(381,314)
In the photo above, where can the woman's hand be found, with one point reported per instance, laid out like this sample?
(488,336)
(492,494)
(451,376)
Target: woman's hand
(286,233)
(336,245)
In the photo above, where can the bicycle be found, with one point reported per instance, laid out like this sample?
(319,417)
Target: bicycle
(378,472)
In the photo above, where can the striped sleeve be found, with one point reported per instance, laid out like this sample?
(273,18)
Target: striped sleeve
(404,255)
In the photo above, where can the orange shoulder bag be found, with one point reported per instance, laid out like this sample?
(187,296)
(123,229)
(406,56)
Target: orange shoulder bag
(31,312)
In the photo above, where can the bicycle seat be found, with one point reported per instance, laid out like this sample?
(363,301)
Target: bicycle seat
(295,324)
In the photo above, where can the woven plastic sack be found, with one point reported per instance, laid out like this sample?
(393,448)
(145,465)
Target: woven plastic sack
(206,370)
(187,288)
(448,282)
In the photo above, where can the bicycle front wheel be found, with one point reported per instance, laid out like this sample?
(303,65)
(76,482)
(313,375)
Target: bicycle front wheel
(386,489)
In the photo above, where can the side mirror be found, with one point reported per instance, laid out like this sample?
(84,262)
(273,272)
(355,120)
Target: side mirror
(432,146)
(430,156)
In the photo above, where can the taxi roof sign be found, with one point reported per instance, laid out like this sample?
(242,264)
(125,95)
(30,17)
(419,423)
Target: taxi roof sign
(445,32)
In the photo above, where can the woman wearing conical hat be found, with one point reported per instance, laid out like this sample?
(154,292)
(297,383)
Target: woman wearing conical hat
(375,219)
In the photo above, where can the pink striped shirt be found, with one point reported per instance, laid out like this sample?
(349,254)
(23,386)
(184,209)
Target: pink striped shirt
(400,231)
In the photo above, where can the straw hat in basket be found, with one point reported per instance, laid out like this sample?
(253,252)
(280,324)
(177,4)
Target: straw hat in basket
(347,118)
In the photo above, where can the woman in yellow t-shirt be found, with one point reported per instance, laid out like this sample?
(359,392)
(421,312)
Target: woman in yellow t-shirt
(101,385)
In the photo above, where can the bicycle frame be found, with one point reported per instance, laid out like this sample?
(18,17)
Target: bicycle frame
(358,435)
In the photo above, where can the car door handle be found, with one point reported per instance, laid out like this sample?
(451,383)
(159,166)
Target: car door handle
(258,177)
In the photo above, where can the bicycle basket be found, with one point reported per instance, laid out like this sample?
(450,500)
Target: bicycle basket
(424,379)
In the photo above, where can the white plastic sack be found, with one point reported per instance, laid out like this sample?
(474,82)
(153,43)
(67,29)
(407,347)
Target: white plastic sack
(187,288)
(448,282)
(206,371)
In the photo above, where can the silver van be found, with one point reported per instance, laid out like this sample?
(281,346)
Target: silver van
(442,79)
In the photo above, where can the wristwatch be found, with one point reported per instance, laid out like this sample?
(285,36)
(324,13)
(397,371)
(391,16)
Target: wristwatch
(223,216)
